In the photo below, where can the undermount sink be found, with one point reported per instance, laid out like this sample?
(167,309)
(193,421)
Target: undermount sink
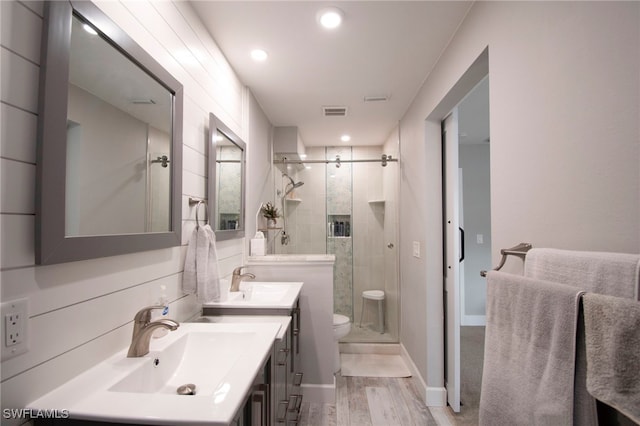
(256,294)
(220,359)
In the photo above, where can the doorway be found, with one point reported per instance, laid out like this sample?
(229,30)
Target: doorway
(467,247)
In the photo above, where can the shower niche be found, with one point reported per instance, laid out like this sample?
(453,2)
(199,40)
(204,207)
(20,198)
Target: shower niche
(339,226)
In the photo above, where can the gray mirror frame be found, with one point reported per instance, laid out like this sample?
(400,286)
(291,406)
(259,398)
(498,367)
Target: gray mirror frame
(215,125)
(51,244)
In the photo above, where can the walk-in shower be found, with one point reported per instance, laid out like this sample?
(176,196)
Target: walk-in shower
(347,207)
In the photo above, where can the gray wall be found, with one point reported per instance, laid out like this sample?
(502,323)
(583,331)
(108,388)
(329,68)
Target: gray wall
(474,161)
(564,102)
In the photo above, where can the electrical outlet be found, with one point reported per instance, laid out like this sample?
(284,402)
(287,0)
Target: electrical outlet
(13,329)
(15,317)
(480,238)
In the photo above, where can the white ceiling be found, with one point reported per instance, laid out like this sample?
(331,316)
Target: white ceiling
(382,48)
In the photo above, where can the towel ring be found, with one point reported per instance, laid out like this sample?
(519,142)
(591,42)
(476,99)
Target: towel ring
(197,202)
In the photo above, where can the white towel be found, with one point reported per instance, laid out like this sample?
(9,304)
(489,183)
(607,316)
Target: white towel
(189,273)
(200,275)
(529,352)
(207,280)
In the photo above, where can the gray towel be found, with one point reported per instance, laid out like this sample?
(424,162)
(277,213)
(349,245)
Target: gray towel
(528,373)
(615,274)
(612,328)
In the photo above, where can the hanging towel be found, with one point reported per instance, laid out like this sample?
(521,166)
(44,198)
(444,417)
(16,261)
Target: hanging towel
(207,279)
(200,275)
(189,273)
(529,352)
(615,274)
(612,331)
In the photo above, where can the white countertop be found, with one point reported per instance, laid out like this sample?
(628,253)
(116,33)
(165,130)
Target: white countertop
(284,321)
(89,395)
(292,259)
(261,295)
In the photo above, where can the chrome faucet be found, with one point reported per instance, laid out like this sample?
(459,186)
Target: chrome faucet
(143,328)
(237,277)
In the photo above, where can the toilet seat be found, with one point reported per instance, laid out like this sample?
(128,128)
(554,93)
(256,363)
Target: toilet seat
(339,320)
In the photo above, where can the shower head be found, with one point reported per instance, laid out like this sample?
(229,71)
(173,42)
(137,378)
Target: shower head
(292,187)
(293,184)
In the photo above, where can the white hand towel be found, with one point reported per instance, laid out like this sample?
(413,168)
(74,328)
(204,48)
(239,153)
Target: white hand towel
(207,280)
(189,273)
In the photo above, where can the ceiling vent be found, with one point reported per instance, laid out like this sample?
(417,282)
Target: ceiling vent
(334,111)
(381,98)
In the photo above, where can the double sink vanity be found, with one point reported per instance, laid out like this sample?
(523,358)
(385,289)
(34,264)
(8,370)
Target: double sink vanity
(238,364)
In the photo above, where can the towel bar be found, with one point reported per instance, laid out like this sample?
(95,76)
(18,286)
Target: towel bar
(520,251)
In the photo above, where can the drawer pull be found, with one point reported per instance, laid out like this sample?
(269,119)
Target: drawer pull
(298,403)
(282,418)
(293,402)
(282,356)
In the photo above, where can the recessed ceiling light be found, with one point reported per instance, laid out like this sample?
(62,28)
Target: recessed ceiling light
(330,18)
(345,138)
(259,55)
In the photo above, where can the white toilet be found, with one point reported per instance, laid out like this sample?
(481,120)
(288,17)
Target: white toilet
(341,327)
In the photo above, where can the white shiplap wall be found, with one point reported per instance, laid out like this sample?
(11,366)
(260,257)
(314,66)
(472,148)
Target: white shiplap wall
(81,312)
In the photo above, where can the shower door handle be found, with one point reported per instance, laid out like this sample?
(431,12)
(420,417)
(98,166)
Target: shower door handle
(461,244)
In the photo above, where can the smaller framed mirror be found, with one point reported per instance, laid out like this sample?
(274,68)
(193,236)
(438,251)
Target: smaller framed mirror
(226,180)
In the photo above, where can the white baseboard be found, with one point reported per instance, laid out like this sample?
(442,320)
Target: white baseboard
(473,320)
(432,396)
(320,394)
(436,397)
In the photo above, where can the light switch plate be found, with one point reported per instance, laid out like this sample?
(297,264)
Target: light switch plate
(15,328)
(416,249)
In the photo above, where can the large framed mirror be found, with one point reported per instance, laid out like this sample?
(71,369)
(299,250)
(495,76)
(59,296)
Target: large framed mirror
(226,189)
(109,165)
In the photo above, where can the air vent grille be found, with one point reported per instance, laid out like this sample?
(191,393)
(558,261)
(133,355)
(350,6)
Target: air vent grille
(381,98)
(334,111)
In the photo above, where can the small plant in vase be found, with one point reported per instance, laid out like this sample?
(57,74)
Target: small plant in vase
(271,213)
